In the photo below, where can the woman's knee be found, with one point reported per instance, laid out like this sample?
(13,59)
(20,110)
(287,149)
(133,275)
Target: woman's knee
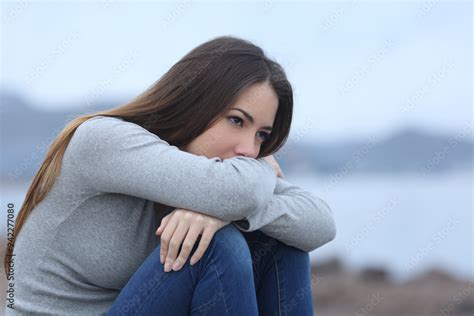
(265,244)
(294,256)
(229,243)
(297,253)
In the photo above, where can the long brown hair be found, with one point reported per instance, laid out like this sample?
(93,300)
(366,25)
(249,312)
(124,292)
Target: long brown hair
(193,94)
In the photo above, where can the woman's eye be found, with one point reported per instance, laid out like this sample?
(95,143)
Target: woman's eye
(265,136)
(235,117)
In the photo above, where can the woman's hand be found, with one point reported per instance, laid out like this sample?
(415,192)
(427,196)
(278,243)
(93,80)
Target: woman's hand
(182,223)
(275,165)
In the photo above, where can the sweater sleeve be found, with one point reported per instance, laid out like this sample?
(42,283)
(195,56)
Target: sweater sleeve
(112,155)
(294,216)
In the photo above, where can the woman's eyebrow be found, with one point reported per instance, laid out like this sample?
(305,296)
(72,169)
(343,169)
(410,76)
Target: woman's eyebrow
(250,118)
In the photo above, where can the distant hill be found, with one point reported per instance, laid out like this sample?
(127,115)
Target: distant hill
(27,132)
(409,150)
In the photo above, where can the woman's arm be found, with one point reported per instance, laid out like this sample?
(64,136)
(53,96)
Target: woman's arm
(294,216)
(112,155)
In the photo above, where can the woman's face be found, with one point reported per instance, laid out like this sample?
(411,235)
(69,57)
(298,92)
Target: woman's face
(241,131)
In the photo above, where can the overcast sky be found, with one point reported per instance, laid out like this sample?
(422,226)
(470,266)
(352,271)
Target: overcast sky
(357,68)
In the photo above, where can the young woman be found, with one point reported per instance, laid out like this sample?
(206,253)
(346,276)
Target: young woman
(172,204)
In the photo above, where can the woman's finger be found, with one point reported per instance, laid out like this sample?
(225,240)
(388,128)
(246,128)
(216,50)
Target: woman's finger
(174,244)
(203,244)
(187,247)
(165,238)
(163,223)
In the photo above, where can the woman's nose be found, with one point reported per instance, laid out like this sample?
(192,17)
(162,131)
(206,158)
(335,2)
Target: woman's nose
(247,149)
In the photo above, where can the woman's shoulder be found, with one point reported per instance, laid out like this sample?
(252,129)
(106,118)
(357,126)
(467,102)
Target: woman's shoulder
(102,119)
(101,126)
(106,134)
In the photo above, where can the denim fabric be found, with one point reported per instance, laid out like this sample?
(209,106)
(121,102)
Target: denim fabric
(241,273)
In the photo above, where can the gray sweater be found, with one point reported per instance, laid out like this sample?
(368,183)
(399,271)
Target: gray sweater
(82,243)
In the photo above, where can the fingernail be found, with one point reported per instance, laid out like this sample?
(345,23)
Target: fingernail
(161,259)
(176,266)
(193,261)
(167,267)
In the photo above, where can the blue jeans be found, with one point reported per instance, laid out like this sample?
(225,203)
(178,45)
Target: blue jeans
(240,273)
